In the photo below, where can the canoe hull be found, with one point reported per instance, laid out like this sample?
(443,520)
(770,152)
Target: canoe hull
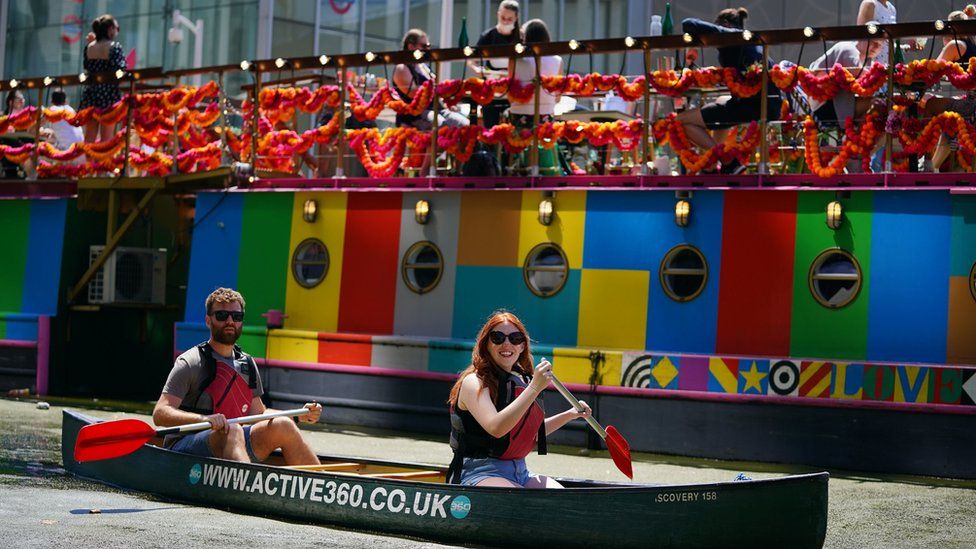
(785,512)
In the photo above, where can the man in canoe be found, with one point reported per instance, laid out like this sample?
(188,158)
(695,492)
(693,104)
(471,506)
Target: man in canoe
(216,381)
(496,410)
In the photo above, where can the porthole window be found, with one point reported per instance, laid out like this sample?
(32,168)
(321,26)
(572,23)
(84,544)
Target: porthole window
(422,267)
(835,278)
(546,269)
(310,263)
(972,281)
(684,272)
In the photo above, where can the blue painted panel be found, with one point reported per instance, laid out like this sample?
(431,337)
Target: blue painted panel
(690,326)
(189,334)
(45,245)
(216,249)
(20,327)
(634,230)
(481,290)
(963,234)
(907,314)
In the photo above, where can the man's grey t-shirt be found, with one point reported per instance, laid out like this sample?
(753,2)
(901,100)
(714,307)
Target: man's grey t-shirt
(187,376)
(847,55)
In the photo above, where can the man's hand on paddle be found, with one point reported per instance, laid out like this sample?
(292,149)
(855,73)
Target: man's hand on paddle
(314,412)
(218,422)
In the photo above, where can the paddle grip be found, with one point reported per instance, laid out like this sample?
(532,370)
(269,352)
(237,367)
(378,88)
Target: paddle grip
(572,400)
(204,425)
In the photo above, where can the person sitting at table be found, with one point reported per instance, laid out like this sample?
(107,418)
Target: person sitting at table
(14,104)
(65,134)
(852,56)
(408,78)
(728,111)
(522,69)
(960,50)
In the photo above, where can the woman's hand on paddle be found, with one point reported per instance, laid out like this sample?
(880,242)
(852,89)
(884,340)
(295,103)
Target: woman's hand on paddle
(584,413)
(541,375)
(314,412)
(218,423)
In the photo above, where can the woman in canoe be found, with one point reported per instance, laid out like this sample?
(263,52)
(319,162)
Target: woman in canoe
(496,413)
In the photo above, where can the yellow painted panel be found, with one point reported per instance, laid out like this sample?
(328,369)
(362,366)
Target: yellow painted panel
(317,309)
(566,229)
(294,349)
(612,369)
(613,308)
(571,366)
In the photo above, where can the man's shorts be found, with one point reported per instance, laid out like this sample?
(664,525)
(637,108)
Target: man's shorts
(476,470)
(197,444)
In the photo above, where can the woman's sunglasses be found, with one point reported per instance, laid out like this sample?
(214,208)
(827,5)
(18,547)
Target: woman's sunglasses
(222,316)
(515,338)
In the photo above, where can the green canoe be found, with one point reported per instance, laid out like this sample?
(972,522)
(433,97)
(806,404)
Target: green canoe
(411,499)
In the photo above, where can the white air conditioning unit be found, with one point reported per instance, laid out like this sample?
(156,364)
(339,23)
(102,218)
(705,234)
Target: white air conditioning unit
(130,275)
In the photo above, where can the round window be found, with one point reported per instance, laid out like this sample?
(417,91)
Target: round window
(310,263)
(546,269)
(972,281)
(684,272)
(835,278)
(422,267)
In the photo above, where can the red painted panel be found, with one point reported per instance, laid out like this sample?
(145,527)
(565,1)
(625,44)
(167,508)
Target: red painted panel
(352,350)
(755,297)
(369,263)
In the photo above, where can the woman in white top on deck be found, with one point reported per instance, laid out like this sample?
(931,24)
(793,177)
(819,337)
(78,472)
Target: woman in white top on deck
(883,12)
(523,69)
(521,115)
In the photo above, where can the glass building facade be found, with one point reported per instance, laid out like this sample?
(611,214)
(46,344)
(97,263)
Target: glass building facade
(44,37)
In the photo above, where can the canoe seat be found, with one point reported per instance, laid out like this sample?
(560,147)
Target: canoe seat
(406,474)
(345,466)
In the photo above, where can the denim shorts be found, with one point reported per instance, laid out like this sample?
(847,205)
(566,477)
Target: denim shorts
(196,444)
(475,470)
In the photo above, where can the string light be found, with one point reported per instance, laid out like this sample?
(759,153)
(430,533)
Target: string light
(872,28)
(939,24)
(323,59)
(468,51)
(279,62)
(629,41)
(14,83)
(245,65)
(747,35)
(573,45)
(687,38)
(48,80)
(519,48)
(370,56)
(82,77)
(808,32)
(119,74)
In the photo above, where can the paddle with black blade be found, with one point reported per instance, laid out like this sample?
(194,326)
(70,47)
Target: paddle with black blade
(113,439)
(616,445)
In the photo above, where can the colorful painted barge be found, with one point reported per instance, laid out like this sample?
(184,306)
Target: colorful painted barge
(784,317)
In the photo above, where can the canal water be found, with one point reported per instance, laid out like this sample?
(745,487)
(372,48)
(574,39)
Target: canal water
(43,506)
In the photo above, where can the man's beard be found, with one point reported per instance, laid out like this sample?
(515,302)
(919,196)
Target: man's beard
(221,336)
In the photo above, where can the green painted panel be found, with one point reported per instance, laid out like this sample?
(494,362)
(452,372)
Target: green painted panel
(254,340)
(15,228)
(264,256)
(817,331)
(3,329)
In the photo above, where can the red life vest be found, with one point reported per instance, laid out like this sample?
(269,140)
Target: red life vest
(469,438)
(230,394)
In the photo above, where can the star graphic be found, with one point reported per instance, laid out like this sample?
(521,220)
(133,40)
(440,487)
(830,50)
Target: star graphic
(753,378)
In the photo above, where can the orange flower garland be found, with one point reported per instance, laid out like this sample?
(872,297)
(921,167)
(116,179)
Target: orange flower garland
(858,143)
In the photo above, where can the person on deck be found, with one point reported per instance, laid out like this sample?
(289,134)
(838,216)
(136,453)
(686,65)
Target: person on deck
(727,111)
(216,381)
(959,49)
(496,413)
(506,31)
(103,55)
(852,56)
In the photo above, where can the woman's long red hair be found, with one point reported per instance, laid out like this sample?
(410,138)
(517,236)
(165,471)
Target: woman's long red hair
(481,363)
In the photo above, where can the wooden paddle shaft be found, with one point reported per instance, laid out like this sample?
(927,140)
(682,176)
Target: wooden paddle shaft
(203,425)
(576,404)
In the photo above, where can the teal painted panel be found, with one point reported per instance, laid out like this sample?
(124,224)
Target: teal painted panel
(963,251)
(479,291)
(447,360)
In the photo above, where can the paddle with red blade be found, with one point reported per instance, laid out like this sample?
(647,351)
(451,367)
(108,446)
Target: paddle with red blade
(618,447)
(112,439)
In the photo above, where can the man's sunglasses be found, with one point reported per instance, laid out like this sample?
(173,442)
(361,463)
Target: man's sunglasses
(515,338)
(222,316)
